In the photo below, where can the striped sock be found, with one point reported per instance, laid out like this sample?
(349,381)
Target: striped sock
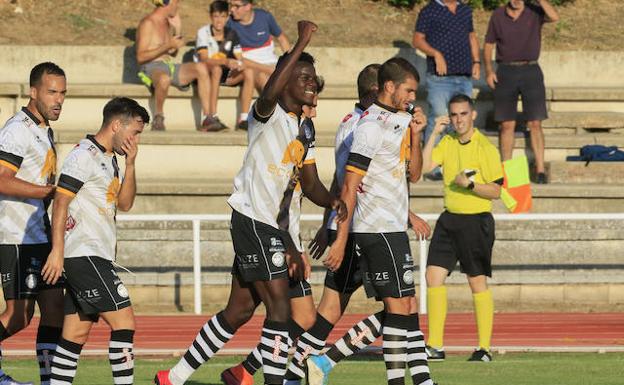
(416,356)
(211,337)
(357,338)
(395,347)
(253,362)
(121,357)
(65,362)
(274,350)
(47,338)
(310,342)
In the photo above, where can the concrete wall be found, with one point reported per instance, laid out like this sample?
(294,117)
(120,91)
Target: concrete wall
(117,64)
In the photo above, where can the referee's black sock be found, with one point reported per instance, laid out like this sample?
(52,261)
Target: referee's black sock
(65,362)
(47,339)
(121,356)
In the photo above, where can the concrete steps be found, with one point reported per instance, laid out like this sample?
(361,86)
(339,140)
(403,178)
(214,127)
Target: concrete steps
(218,156)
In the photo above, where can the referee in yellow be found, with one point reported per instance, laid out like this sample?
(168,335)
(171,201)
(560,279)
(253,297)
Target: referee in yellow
(473,176)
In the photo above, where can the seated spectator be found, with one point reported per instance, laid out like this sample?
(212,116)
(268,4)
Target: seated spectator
(158,40)
(218,46)
(255,28)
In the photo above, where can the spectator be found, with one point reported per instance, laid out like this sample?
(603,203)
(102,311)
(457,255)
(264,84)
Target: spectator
(516,30)
(445,33)
(219,47)
(158,40)
(255,28)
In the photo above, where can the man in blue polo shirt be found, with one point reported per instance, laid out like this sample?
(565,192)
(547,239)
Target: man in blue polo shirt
(445,33)
(256,29)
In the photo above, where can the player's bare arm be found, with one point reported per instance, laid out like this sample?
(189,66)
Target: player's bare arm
(349,197)
(127,193)
(316,192)
(417,125)
(318,245)
(53,268)
(15,187)
(419,225)
(268,99)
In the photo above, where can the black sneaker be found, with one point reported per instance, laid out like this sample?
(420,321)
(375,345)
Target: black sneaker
(242,125)
(541,178)
(434,354)
(481,355)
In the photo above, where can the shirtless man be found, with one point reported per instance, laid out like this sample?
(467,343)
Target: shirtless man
(158,40)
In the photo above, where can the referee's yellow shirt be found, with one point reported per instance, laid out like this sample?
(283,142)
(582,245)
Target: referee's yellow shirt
(479,155)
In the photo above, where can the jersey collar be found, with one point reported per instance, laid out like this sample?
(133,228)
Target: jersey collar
(31,116)
(385,107)
(95,142)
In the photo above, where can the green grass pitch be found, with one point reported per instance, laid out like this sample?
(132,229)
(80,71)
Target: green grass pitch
(508,369)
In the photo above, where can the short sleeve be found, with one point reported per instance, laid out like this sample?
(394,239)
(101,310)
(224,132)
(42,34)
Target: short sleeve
(76,171)
(367,140)
(201,42)
(490,35)
(310,136)
(14,144)
(274,28)
(470,21)
(423,24)
(491,166)
(439,151)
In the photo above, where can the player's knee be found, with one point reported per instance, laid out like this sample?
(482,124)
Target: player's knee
(202,70)
(162,82)
(19,321)
(248,75)
(216,71)
(238,315)
(278,311)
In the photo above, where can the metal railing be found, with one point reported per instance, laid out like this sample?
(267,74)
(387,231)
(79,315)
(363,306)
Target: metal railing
(197,219)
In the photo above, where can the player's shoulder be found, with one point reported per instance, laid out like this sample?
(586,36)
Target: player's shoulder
(205,30)
(17,127)
(85,151)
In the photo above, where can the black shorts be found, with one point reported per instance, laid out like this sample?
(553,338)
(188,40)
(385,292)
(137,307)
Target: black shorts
(298,289)
(468,238)
(20,266)
(93,287)
(348,278)
(387,264)
(526,81)
(260,250)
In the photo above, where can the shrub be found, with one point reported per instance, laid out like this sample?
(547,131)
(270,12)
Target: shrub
(486,4)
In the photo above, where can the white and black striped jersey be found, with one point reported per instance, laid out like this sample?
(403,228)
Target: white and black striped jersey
(91,176)
(270,177)
(343,142)
(380,152)
(28,149)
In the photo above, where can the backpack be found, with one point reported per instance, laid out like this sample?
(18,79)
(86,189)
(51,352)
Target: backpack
(598,153)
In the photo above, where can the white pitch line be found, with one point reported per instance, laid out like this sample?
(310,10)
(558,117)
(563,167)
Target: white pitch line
(374,349)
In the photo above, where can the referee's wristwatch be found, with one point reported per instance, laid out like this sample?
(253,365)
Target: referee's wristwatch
(470,186)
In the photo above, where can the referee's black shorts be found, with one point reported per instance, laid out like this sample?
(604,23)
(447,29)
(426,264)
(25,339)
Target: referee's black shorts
(467,238)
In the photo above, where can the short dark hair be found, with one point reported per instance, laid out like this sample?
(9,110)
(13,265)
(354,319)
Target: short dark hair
(37,72)
(367,80)
(462,98)
(320,84)
(304,57)
(219,6)
(396,70)
(124,108)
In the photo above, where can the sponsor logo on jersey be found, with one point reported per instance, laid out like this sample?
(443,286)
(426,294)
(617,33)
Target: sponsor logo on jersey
(408,277)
